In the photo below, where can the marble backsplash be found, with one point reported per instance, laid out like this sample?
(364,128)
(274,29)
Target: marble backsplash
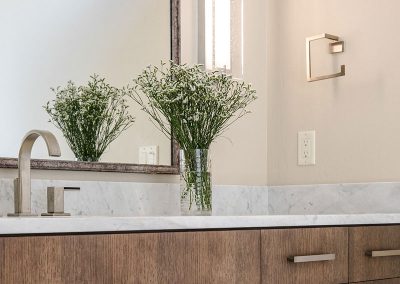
(135,199)
(162,199)
(350,198)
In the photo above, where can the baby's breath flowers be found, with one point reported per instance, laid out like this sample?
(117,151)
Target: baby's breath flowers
(90,117)
(190,104)
(193,107)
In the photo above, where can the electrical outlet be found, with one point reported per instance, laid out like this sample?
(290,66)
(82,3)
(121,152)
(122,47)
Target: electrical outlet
(142,155)
(148,155)
(152,155)
(306,148)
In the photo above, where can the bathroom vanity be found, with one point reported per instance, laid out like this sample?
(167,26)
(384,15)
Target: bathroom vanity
(234,249)
(353,121)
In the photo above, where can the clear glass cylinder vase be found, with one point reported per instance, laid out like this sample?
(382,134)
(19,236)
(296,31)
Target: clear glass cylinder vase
(195,182)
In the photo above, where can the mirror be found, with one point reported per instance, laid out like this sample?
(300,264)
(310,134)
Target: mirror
(48,43)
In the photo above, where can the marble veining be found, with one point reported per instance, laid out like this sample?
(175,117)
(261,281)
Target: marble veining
(135,199)
(351,198)
(37,225)
(99,198)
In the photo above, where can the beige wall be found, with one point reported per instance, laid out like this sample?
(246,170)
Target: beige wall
(356,117)
(240,156)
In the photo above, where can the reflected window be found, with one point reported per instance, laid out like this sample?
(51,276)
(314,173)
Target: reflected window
(222,22)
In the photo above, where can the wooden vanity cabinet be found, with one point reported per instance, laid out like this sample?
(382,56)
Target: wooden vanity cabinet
(366,254)
(306,255)
(2,263)
(180,257)
(272,256)
(374,253)
(383,281)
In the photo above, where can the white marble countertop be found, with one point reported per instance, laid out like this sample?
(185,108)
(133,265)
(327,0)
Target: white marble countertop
(48,225)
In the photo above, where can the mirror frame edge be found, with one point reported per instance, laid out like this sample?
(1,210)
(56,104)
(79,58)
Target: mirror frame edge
(173,169)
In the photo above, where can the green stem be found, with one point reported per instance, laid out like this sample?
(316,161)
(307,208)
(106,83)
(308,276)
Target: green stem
(197,179)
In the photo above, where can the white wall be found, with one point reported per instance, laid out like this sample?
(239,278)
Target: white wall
(356,117)
(45,43)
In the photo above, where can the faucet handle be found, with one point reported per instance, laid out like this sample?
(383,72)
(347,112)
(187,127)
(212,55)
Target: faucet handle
(55,201)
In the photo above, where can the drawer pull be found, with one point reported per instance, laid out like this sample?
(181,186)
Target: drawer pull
(382,253)
(311,258)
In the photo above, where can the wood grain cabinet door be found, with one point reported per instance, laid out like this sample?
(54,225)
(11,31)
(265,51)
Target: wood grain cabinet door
(304,256)
(383,281)
(2,264)
(374,253)
(181,257)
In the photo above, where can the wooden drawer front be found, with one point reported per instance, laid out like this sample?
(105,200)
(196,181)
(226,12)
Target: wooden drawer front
(184,257)
(384,281)
(278,245)
(376,238)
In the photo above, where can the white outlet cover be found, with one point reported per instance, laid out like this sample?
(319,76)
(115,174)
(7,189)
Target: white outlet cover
(306,148)
(142,155)
(148,155)
(152,155)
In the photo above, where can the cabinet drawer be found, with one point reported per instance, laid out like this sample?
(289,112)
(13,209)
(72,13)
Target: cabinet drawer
(322,255)
(383,281)
(174,257)
(374,253)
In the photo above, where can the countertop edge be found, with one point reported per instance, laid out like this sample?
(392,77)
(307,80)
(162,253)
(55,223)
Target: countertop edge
(88,225)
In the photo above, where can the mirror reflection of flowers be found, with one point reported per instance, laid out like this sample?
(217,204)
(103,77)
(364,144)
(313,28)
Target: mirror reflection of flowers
(192,106)
(90,117)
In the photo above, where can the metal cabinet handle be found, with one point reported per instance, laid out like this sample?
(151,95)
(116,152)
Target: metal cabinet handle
(382,253)
(311,258)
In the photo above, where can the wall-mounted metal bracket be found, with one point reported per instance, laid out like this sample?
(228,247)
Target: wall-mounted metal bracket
(336,46)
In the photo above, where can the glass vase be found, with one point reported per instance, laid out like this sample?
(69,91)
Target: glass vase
(195,182)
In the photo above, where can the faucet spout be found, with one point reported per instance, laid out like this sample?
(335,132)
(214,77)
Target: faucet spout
(22,185)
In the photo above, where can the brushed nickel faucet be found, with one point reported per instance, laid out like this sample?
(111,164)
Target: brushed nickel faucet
(22,184)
